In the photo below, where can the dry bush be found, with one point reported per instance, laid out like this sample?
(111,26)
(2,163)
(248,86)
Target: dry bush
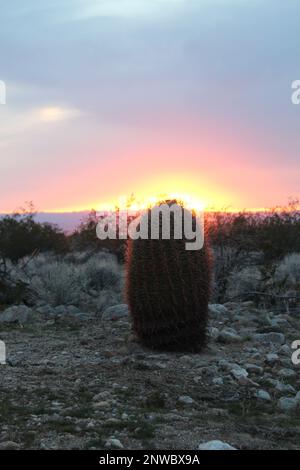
(288,271)
(243,282)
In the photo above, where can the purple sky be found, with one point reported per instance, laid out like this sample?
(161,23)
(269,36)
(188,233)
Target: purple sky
(106,98)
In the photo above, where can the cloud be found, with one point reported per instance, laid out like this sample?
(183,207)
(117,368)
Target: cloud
(18,122)
(56,114)
(124,8)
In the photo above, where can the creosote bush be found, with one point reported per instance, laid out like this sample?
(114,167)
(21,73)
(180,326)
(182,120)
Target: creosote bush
(94,280)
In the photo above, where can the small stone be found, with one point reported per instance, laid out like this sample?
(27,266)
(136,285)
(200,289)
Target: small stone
(113,443)
(213,332)
(102,395)
(270,381)
(73,310)
(60,310)
(254,368)
(239,373)
(218,381)
(286,373)
(90,424)
(9,445)
(45,310)
(226,365)
(285,388)
(297,397)
(285,349)
(186,400)
(272,358)
(263,395)
(101,405)
(287,403)
(115,312)
(218,310)
(215,445)
(229,335)
(17,313)
(81,316)
(269,338)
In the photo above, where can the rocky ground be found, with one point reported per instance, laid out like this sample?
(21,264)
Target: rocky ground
(77,381)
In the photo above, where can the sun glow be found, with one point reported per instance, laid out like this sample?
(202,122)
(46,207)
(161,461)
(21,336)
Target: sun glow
(183,188)
(145,194)
(136,204)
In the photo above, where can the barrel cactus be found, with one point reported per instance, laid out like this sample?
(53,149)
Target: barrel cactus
(167,289)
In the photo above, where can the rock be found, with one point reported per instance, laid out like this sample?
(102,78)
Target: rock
(113,443)
(254,368)
(73,310)
(80,316)
(239,373)
(116,312)
(218,381)
(270,381)
(17,313)
(46,310)
(269,338)
(215,445)
(263,395)
(213,332)
(287,403)
(186,400)
(297,397)
(60,310)
(9,445)
(102,405)
(272,358)
(285,349)
(102,396)
(285,388)
(218,310)
(208,371)
(226,365)
(286,373)
(229,335)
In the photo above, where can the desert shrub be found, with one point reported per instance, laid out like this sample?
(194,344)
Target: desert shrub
(101,273)
(13,289)
(108,298)
(242,283)
(85,238)
(226,260)
(274,234)
(288,271)
(20,236)
(56,283)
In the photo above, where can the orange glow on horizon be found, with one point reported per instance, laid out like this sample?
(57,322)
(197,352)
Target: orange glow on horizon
(146,194)
(185,188)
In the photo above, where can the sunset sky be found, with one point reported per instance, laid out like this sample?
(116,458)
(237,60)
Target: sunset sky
(106,98)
